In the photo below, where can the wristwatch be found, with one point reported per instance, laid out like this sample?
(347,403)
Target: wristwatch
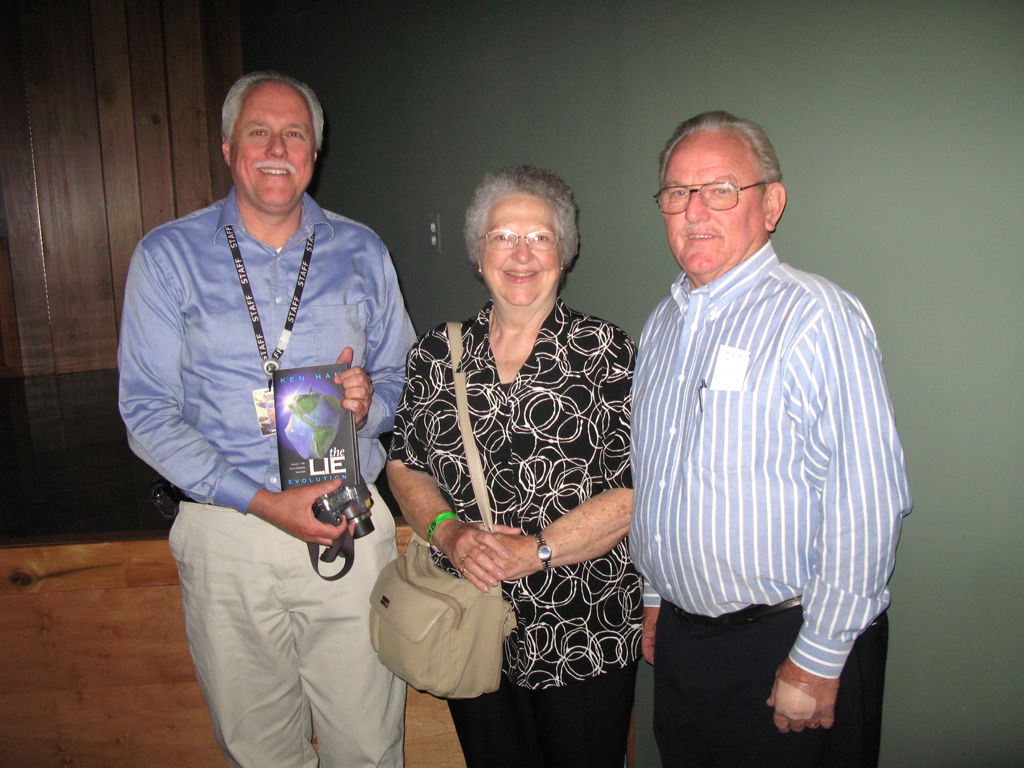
(543,552)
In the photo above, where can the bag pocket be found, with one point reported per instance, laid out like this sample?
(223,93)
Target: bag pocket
(410,610)
(438,633)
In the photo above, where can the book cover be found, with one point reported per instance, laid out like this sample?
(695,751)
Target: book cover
(316,437)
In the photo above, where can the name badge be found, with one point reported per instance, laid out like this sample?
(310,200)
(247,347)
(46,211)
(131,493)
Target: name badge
(266,416)
(730,369)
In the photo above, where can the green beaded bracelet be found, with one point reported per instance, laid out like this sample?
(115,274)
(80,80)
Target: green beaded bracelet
(441,517)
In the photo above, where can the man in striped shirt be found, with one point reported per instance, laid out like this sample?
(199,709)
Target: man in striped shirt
(769,479)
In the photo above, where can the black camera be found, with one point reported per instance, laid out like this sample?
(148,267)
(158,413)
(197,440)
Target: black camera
(350,502)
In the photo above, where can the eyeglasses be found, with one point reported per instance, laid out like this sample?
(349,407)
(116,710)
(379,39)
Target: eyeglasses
(718,195)
(507,240)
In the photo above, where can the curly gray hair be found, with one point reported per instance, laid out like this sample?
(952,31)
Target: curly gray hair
(523,180)
(749,132)
(237,93)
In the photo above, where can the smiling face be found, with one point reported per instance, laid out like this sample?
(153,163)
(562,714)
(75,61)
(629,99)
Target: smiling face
(271,154)
(707,243)
(521,278)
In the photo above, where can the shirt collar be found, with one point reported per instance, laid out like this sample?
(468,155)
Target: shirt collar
(733,283)
(313,218)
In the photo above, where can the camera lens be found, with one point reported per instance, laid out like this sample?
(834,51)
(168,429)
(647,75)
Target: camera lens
(364,526)
(347,503)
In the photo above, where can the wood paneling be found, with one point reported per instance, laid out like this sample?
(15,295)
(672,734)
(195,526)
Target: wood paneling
(221,35)
(10,345)
(110,124)
(149,100)
(96,673)
(17,174)
(190,149)
(117,138)
(69,182)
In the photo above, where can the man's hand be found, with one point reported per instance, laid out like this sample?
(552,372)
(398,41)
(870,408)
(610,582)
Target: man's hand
(358,388)
(649,630)
(801,699)
(292,512)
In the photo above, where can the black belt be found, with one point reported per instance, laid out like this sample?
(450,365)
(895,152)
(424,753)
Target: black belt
(742,616)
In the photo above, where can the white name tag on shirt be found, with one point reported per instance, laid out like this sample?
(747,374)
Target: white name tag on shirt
(730,369)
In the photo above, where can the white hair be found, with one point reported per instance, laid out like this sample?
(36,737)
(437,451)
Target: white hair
(236,96)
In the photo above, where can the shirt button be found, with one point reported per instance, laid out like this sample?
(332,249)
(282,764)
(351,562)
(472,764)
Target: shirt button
(657,538)
(278,300)
(672,431)
(661,483)
(682,378)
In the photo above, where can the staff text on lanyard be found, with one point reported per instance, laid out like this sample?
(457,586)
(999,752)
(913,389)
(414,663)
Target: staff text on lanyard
(270,362)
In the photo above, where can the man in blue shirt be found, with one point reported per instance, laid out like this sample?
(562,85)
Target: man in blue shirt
(277,649)
(769,479)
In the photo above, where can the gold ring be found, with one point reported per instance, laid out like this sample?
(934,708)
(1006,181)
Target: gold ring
(463,559)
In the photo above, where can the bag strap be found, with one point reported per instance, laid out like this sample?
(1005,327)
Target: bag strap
(476,472)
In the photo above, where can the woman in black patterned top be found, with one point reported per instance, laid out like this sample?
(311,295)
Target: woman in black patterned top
(549,400)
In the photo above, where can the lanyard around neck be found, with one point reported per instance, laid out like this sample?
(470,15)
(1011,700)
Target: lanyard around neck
(270,362)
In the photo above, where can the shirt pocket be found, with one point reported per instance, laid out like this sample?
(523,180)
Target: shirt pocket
(325,331)
(723,433)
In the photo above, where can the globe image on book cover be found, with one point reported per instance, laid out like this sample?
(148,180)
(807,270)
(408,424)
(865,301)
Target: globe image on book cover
(316,436)
(315,419)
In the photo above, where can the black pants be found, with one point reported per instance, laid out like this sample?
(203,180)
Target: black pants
(581,725)
(711,684)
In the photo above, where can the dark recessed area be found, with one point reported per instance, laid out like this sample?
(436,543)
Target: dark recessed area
(68,472)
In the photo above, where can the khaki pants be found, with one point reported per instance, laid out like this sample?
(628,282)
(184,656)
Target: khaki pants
(277,649)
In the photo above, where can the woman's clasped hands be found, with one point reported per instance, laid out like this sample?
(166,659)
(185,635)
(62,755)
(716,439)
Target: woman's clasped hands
(487,558)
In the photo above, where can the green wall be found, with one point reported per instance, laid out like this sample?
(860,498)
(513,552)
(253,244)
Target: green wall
(899,130)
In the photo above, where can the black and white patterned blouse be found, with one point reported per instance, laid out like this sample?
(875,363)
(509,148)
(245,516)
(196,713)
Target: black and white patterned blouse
(550,440)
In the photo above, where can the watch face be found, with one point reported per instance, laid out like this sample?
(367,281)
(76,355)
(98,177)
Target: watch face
(544,552)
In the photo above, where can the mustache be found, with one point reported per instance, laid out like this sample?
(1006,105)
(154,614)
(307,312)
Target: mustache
(275,165)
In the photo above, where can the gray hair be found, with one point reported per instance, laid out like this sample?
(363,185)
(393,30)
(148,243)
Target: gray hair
(523,180)
(747,131)
(236,95)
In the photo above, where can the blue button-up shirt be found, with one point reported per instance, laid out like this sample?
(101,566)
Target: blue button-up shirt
(188,358)
(781,476)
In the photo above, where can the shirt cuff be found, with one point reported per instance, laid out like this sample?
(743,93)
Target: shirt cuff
(374,418)
(819,655)
(236,490)
(651,598)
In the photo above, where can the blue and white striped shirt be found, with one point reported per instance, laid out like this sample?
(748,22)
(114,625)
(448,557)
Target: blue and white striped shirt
(765,455)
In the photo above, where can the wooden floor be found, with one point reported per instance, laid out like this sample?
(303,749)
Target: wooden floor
(95,671)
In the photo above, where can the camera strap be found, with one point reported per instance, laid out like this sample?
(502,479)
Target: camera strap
(344,545)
